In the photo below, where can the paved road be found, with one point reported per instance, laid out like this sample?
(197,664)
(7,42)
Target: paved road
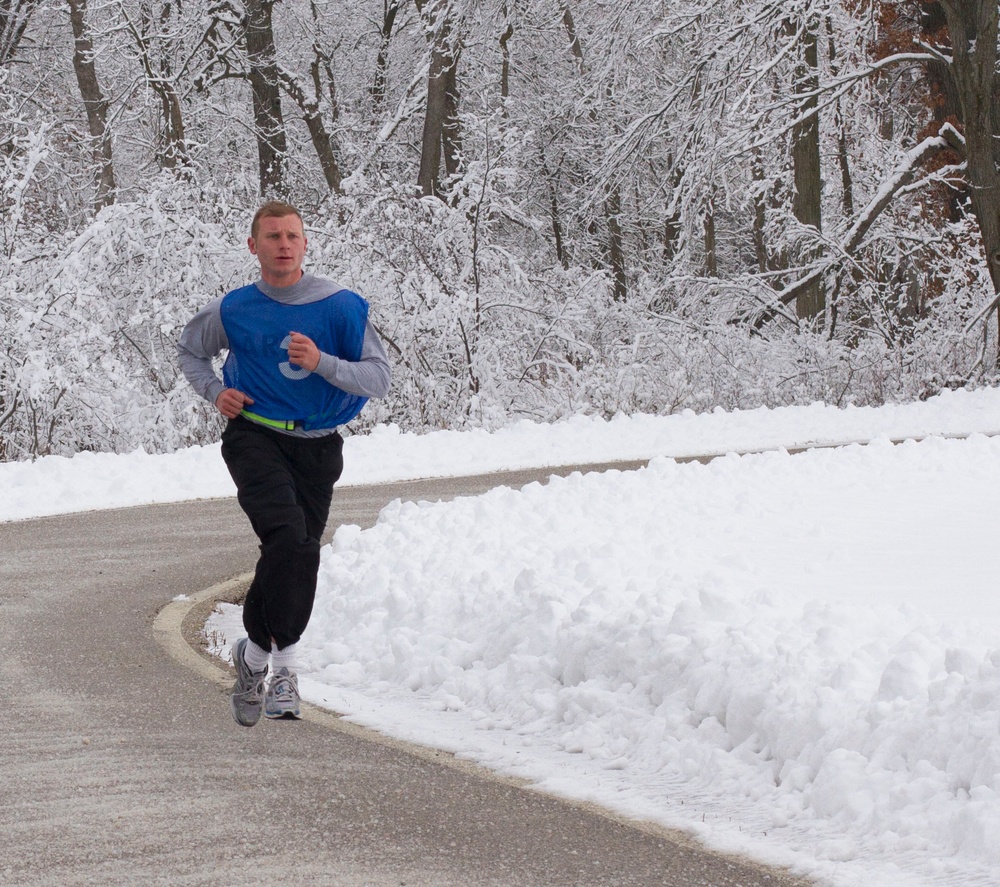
(120,763)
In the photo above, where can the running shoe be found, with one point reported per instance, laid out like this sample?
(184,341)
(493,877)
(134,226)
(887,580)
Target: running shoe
(247,694)
(282,697)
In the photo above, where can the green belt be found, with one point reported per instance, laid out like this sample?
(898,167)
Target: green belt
(283,424)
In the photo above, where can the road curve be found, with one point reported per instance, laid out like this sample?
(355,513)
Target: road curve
(121,765)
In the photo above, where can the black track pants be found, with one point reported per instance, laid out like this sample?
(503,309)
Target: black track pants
(285,485)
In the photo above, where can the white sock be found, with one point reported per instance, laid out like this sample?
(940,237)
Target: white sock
(255,657)
(287,658)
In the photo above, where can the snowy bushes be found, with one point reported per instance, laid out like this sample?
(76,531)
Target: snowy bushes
(89,330)
(482,325)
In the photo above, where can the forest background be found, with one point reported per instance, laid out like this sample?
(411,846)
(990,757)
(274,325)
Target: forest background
(554,206)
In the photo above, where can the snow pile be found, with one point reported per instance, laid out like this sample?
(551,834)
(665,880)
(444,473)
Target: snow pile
(802,650)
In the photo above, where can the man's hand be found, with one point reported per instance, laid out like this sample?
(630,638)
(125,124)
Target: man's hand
(231,401)
(303,352)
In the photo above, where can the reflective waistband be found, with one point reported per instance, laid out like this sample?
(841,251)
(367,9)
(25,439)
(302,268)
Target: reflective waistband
(283,424)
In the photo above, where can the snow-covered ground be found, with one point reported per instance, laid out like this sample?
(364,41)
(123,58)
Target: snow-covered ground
(792,656)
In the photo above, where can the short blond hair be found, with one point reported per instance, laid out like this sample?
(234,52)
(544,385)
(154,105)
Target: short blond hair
(273,209)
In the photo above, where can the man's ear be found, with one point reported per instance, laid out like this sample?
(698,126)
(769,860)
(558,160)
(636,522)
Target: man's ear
(252,245)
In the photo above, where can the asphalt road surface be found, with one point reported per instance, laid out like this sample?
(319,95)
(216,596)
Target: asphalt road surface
(120,763)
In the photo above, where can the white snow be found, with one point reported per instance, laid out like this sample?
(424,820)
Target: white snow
(792,656)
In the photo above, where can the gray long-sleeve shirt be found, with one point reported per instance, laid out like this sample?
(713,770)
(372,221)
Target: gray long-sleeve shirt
(205,337)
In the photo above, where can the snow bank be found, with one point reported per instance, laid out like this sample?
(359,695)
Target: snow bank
(803,650)
(58,485)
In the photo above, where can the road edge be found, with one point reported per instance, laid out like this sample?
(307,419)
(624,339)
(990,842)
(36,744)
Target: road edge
(178,629)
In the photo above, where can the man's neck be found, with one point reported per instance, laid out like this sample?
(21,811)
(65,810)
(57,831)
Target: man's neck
(283,280)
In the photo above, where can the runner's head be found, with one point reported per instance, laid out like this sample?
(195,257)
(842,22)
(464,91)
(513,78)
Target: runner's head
(273,209)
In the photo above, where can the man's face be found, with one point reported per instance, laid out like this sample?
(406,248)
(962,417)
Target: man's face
(280,246)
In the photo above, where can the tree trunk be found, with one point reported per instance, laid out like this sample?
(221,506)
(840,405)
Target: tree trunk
(390,9)
(943,101)
(159,77)
(14,16)
(615,245)
(441,133)
(673,226)
(554,211)
(760,207)
(320,136)
(505,36)
(711,243)
(428,178)
(972,25)
(175,153)
(94,103)
(616,249)
(843,150)
(451,132)
(575,46)
(323,144)
(806,163)
(269,124)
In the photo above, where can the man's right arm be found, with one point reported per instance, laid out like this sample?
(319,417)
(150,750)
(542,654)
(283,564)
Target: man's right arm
(201,341)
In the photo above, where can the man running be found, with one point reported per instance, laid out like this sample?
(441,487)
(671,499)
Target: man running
(302,360)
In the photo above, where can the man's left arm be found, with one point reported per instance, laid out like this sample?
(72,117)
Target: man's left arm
(369,376)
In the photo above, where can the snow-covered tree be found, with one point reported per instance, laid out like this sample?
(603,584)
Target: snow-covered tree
(553,207)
